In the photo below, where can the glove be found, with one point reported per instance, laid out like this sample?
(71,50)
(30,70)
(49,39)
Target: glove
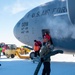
(42,60)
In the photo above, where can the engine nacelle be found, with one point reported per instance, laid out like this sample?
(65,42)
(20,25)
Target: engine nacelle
(71,10)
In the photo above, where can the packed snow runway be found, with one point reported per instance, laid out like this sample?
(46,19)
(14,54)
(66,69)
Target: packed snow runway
(16,66)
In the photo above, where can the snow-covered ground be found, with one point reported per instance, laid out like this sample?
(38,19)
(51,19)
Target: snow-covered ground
(60,65)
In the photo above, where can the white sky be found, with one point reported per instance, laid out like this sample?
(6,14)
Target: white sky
(11,11)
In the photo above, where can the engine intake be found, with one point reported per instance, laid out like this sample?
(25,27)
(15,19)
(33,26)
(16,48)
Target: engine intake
(71,10)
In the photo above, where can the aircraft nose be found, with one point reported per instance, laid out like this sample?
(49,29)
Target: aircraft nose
(21,31)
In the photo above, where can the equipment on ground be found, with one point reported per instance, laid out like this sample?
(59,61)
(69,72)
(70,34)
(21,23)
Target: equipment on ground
(13,50)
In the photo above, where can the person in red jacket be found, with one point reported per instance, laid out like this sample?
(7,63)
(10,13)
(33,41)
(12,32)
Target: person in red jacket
(47,38)
(37,47)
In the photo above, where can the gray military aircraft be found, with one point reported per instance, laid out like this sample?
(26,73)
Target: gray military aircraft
(56,17)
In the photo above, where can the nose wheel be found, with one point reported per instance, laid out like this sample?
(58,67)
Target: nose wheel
(32,55)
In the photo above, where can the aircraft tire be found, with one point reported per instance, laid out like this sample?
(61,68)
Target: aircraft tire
(12,55)
(32,55)
(3,53)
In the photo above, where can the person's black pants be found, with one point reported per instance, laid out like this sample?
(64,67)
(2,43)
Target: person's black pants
(37,53)
(46,69)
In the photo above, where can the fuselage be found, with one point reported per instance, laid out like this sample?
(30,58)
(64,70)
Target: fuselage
(52,17)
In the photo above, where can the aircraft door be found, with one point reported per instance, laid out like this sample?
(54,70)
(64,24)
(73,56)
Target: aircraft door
(45,31)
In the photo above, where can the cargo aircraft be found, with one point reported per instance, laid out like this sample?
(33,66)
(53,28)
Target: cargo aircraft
(56,17)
